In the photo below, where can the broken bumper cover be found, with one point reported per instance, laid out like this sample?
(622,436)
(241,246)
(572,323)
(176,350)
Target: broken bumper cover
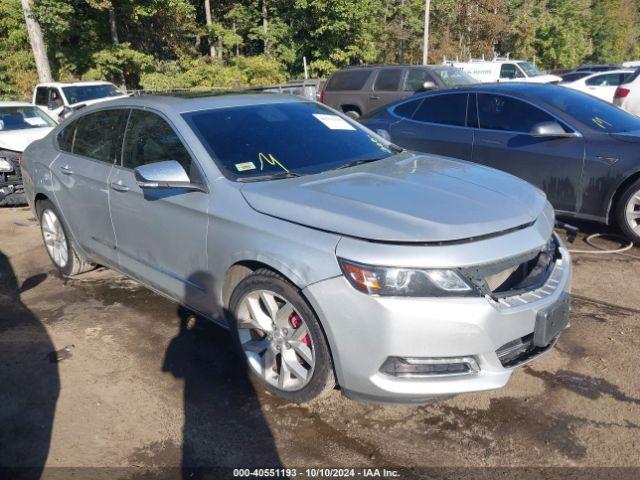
(365,331)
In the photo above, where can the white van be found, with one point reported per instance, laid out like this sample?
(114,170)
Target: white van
(503,70)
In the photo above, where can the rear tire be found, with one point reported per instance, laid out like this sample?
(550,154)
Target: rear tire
(279,336)
(628,212)
(57,242)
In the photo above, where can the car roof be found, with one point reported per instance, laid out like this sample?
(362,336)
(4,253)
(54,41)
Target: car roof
(73,84)
(400,65)
(16,104)
(178,104)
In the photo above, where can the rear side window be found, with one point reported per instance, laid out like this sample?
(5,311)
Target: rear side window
(407,109)
(348,80)
(496,112)
(388,79)
(150,139)
(66,136)
(98,135)
(443,109)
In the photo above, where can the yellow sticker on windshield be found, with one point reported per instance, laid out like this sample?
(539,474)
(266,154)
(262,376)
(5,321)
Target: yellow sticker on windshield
(270,160)
(243,167)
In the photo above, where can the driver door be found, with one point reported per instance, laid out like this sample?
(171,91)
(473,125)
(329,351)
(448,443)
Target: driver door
(160,234)
(503,141)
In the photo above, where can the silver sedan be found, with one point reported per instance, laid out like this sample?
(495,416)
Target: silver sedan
(333,256)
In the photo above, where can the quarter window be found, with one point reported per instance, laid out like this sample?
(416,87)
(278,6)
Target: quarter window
(443,109)
(150,139)
(407,109)
(496,112)
(388,80)
(98,135)
(348,80)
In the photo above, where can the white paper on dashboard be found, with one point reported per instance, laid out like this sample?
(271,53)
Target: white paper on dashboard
(334,122)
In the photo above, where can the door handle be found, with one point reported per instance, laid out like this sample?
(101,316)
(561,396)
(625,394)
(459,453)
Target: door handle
(66,169)
(119,187)
(374,97)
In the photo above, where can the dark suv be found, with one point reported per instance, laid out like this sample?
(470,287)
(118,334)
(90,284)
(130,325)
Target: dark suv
(359,90)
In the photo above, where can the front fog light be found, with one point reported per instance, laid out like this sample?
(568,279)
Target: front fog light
(429,367)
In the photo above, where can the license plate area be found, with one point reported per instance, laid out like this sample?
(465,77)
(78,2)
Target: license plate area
(551,321)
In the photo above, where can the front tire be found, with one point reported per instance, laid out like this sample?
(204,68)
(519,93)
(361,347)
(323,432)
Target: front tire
(628,212)
(58,243)
(280,337)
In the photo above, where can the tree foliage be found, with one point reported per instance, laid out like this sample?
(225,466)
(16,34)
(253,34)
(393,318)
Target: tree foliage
(164,44)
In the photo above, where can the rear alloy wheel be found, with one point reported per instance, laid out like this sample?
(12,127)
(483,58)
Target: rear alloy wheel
(280,337)
(59,247)
(628,214)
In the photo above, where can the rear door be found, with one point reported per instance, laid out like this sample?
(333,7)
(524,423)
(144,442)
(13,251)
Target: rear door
(89,147)
(503,141)
(161,234)
(386,88)
(604,86)
(435,125)
(345,90)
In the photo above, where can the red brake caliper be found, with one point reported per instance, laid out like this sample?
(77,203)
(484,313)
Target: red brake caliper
(295,321)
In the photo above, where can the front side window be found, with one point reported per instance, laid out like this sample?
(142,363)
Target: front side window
(23,118)
(509,70)
(443,109)
(42,96)
(150,139)
(55,99)
(295,137)
(66,137)
(85,93)
(388,80)
(415,80)
(608,79)
(98,134)
(496,112)
(588,110)
(348,80)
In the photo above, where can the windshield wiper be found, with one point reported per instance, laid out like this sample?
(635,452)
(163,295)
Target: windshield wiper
(353,163)
(273,176)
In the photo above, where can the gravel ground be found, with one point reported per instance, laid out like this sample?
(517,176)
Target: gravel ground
(144,390)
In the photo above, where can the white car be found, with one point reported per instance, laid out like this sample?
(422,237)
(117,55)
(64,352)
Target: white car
(60,99)
(20,124)
(602,85)
(497,70)
(627,95)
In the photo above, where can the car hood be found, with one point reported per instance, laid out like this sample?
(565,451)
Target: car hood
(18,140)
(404,198)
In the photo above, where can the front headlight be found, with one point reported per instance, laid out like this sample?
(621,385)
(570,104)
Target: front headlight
(5,165)
(405,282)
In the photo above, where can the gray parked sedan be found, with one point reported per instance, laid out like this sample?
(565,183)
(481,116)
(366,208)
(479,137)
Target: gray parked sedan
(332,255)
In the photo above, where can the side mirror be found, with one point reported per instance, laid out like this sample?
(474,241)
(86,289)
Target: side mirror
(164,175)
(549,129)
(428,86)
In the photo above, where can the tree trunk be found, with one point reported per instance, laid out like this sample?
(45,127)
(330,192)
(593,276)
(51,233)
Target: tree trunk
(265,26)
(113,26)
(209,19)
(37,44)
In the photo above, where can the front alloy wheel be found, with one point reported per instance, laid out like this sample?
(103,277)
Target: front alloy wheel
(281,338)
(54,238)
(275,339)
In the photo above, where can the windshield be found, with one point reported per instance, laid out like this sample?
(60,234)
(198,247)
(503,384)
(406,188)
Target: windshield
(454,76)
(20,118)
(529,69)
(86,93)
(276,138)
(589,110)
